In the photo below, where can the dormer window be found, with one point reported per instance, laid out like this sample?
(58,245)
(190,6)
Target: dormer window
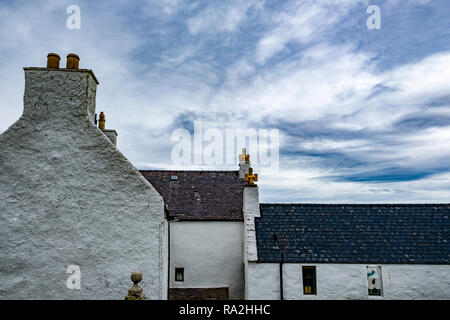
(197,195)
(174,178)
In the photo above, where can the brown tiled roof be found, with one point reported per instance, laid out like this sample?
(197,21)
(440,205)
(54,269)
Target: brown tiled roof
(219,193)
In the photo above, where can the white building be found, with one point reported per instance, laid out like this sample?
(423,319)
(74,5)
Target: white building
(346,251)
(205,210)
(69,197)
(206,232)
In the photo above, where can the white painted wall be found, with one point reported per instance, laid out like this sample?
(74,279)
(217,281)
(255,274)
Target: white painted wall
(250,211)
(334,281)
(349,281)
(69,197)
(211,253)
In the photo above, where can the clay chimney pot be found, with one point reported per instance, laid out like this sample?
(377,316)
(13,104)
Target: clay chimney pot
(53,61)
(73,61)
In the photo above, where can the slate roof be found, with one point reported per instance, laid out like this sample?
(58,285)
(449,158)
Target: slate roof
(354,233)
(219,193)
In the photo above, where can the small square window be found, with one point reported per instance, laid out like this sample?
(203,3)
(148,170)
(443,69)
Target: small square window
(179,274)
(174,178)
(309,280)
(375,286)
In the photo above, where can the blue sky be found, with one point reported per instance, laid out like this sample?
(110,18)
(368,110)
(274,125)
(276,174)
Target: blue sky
(364,115)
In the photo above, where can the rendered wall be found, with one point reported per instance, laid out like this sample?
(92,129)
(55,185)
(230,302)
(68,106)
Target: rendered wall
(211,253)
(250,210)
(349,281)
(69,197)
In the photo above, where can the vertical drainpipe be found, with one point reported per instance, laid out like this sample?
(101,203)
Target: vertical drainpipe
(281,277)
(168,249)
(168,260)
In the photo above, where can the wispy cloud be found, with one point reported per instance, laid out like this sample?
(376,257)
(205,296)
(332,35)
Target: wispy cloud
(221,17)
(302,22)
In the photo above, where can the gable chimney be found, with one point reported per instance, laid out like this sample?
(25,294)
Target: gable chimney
(53,94)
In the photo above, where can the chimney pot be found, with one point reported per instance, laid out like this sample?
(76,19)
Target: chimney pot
(53,61)
(101,121)
(73,61)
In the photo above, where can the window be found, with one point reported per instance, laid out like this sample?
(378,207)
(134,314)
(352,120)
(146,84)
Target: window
(374,281)
(197,195)
(309,280)
(174,178)
(179,274)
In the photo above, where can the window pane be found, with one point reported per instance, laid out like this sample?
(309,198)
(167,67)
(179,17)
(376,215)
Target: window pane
(309,280)
(179,274)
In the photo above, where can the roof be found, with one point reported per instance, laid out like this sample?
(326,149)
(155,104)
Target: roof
(354,233)
(200,195)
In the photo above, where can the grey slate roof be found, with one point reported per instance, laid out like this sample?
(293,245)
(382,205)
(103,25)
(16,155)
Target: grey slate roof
(354,233)
(219,193)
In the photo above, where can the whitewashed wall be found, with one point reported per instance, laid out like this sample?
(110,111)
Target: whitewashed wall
(250,211)
(69,197)
(211,253)
(349,281)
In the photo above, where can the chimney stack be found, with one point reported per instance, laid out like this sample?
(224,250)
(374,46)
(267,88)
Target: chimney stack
(57,93)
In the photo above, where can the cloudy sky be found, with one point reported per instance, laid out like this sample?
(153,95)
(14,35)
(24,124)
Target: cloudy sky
(363,115)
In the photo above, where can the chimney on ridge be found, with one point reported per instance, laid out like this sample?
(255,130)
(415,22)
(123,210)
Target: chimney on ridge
(60,97)
(57,95)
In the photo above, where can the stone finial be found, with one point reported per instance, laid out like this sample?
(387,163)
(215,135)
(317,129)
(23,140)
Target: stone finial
(244,157)
(250,177)
(53,61)
(244,163)
(135,292)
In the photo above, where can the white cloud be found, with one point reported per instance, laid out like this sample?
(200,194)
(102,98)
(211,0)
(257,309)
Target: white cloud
(223,17)
(302,22)
(299,184)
